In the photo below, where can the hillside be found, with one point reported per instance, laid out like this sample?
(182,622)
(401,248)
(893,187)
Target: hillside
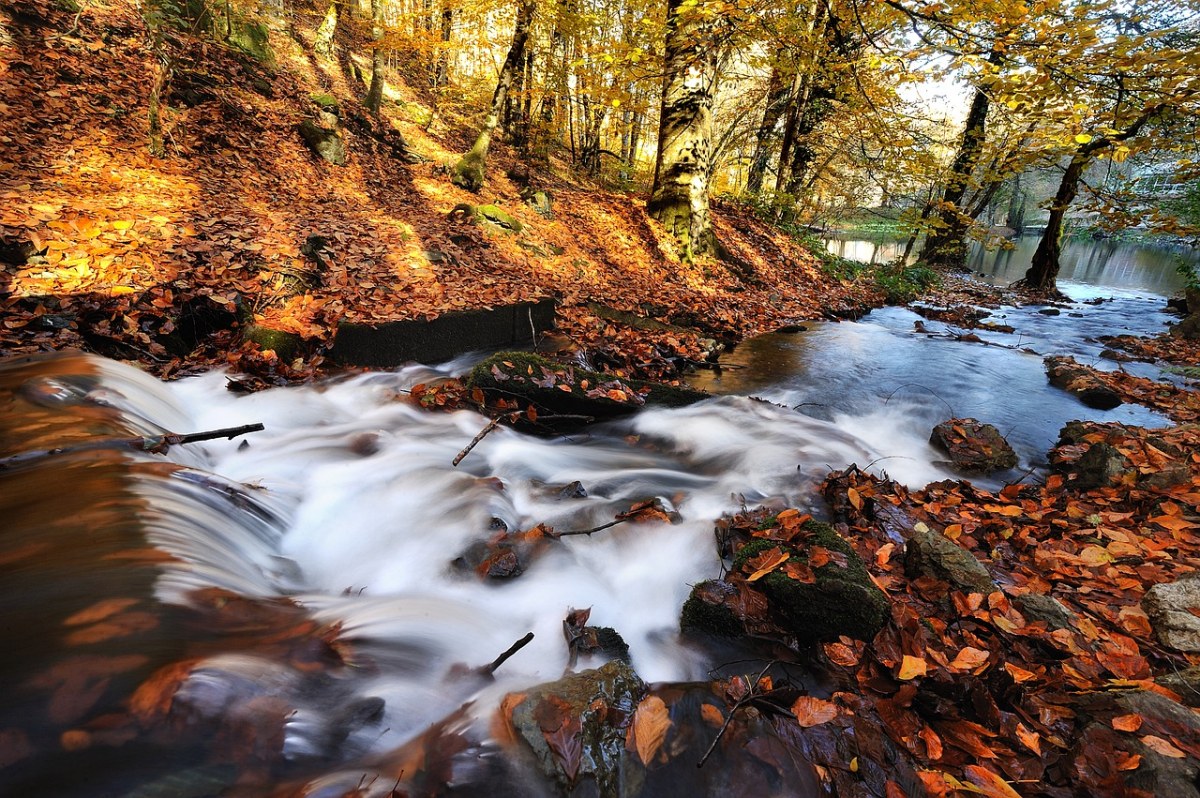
(167,260)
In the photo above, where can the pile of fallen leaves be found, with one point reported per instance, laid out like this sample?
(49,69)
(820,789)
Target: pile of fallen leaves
(991,691)
(1165,347)
(168,260)
(1178,404)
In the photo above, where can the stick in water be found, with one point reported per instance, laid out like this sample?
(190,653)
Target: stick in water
(475,441)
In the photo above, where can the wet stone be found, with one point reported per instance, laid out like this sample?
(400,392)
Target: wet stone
(973,447)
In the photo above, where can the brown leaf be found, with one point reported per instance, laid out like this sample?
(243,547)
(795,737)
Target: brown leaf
(991,785)
(648,731)
(911,668)
(841,654)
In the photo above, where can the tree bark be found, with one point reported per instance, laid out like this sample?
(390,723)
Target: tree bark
(946,244)
(441,72)
(375,90)
(327,30)
(679,198)
(470,170)
(778,92)
(1015,218)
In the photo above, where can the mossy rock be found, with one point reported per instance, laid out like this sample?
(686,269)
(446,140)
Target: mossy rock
(545,384)
(326,102)
(842,601)
(251,38)
(489,214)
(708,611)
(327,144)
(286,345)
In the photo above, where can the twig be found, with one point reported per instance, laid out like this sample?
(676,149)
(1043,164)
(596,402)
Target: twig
(158,444)
(590,531)
(513,649)
(750,696)
(495,422)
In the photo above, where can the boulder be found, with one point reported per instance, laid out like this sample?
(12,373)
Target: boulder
(1185,683)
(931,554)
(973,447)
(1170,606)
(541,201)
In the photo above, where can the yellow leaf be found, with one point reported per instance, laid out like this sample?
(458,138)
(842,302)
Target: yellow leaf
(855,498)
(989,783)
(1082,138)
(911,668)
(766,562)
(122,224)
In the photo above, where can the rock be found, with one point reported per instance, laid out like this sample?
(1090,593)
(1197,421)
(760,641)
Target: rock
(931,554)
(1047,609)
(718,608)
(1050,311)
(327,143)
(541,201)
(1185,683)
(15,252)
(1158,773)
(584,714)
(974,447)
(250,37)
(326,102)
(286,345)
(1170,606)
(499,217)
(1065,373)
(841,601)
(1099,466)
(567,389)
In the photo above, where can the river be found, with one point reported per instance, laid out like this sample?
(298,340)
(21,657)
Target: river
(347,510)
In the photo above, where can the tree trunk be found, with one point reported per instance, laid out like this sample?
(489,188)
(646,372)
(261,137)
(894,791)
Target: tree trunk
(679,198)
(1042,276)
(375,91)
(441,72)
(470,170)
(1016,207)
(816,108)
(946,244)
(778,92)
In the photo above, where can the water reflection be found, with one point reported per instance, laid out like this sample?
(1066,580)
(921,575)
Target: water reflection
(1109,263)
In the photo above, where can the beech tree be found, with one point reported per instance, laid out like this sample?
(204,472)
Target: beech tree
(679,197)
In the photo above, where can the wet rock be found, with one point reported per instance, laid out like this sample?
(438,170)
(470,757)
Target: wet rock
(718,608)
(1065,373)
(1163,770)
(575,728)
(569,390)
(1100,465)
(1184,683)
(1171,607)
(973,447)
(931,554)
(1050,311)
(573,490)
(1047,609)
(817,602)
(1094,455)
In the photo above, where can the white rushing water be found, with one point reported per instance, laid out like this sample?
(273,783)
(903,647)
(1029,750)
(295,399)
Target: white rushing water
(373,514)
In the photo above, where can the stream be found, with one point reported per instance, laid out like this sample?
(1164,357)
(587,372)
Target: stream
(348,504)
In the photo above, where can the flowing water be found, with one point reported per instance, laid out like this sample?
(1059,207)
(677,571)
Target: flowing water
(348,504)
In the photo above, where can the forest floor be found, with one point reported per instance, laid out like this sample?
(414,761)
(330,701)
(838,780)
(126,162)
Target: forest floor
(107,248)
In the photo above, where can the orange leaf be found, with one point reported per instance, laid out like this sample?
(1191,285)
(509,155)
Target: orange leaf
(969,659)
(712,715)
(855,498)
(811,711)
(911,668)
(765,563)
(1127,723)
(1161,746)
(651,720)
(841,654)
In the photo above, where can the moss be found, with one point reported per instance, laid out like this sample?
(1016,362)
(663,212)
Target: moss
(286,345)
(326,102)
(701,615)
(842,600)
(251,38)
(522,368)
(469,172)
(499,217)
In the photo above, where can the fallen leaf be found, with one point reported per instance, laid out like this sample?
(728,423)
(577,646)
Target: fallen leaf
(811,711)
(651,720)
(911,668)
(1161,746)
(1127,723)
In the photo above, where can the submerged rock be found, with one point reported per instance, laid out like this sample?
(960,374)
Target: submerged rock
(973,447)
